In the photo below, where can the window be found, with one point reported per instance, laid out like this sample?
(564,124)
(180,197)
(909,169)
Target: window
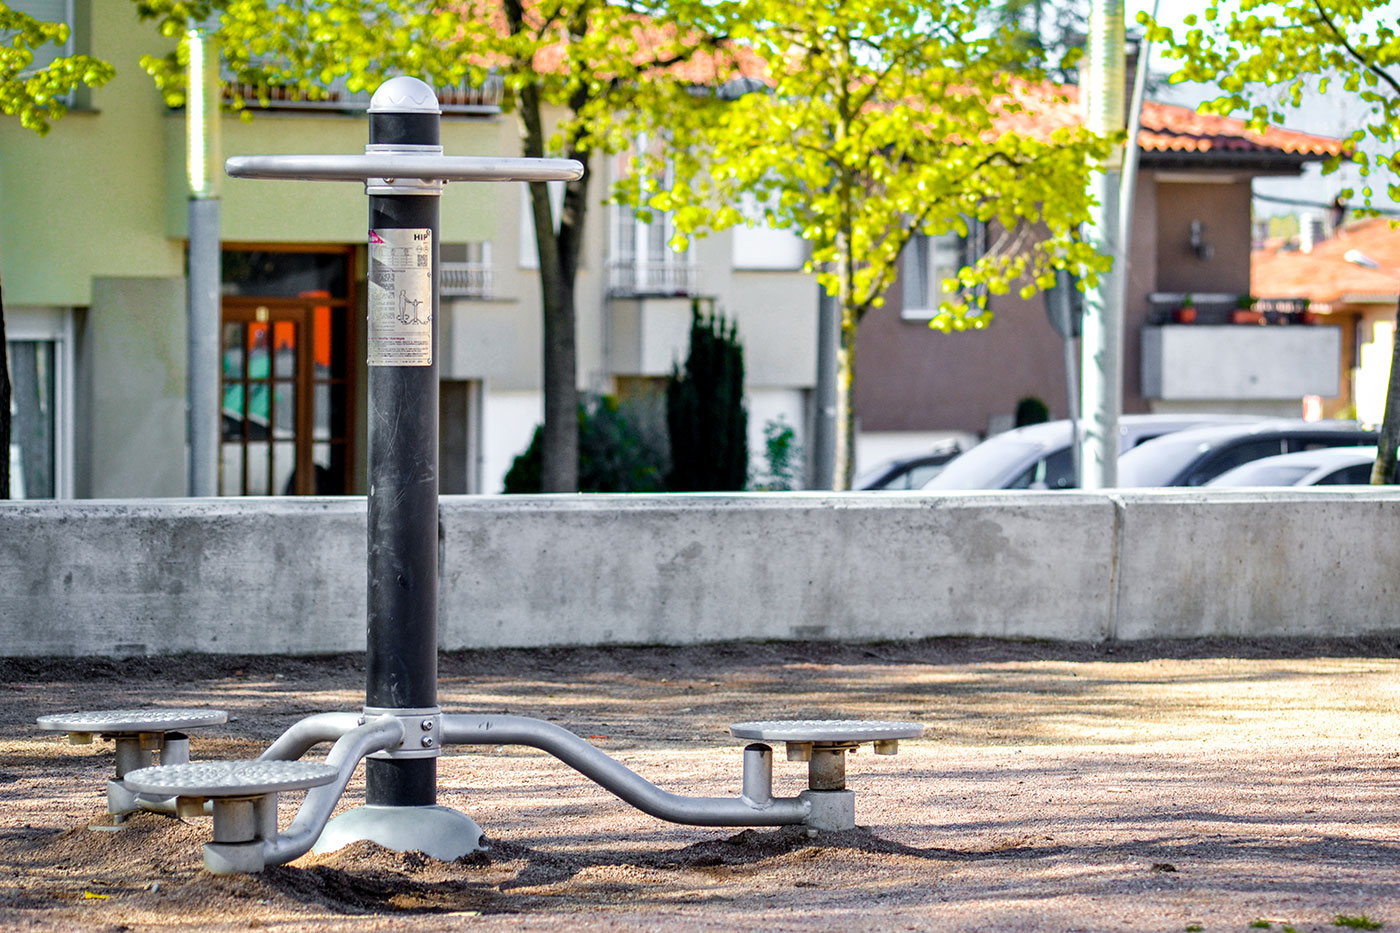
(930,260)
(48,11)
(289,370)
(466,270)
(641,259)
(38,348)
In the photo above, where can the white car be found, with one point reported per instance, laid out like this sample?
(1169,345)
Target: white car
(1038,456)
(1328,466)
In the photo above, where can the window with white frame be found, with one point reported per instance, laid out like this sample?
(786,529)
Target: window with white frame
(641,260)
(47,11)
(929,261)
(466,270)
(39,350)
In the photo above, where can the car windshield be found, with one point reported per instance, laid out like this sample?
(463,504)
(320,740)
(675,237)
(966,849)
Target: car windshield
(987,466)
(1159,461)
(1264,474)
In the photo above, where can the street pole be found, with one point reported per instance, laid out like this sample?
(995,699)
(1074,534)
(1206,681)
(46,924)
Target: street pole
(203,295)
(1101,343)
(824,425)
(401,663)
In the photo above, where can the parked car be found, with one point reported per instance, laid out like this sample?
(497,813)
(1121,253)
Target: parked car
(1326,466)
(907,472)
(1038,456)
(1195,457)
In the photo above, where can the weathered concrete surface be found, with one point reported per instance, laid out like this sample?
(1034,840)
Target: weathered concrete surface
(287,576)
(257,576)
(677,570)
(1290,562)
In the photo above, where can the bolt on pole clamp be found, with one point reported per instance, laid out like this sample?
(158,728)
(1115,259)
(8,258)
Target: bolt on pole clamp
(422,731)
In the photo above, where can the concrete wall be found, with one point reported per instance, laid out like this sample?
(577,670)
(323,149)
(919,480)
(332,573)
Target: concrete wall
(287,576)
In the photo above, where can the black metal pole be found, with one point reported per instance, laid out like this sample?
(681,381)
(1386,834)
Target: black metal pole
(401,659)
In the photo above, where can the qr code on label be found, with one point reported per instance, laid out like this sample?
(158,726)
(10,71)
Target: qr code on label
(422,260)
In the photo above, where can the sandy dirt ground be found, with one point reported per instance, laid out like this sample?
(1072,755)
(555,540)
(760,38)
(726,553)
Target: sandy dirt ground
(1165,786)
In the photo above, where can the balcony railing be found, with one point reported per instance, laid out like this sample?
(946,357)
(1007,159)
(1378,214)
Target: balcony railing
(1222,308)
(460,99)
(667,278)
(467,280)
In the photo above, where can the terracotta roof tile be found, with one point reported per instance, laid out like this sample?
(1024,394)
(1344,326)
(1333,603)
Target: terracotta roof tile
(1324,275)
(1170,128)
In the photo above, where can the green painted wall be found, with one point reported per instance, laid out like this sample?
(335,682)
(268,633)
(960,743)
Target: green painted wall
(319,212)
(132,359)
(104,193)
(87,200)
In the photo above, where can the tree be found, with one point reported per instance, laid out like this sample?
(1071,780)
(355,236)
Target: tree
(1049,32)
(595,62)
(880,120)
(705,415)
(1248,47)
(36,97)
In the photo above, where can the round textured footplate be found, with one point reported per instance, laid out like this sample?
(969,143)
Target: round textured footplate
(121,721)
(229,778)
(825,730)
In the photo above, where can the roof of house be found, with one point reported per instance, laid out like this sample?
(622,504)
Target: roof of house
(1324,275)
(1170,132)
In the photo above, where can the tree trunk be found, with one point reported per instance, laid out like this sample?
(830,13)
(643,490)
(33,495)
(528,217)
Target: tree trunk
(559,447)
(1384,471)
(846,401)
(844,471)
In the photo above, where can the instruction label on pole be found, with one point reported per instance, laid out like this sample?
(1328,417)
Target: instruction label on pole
(401,297)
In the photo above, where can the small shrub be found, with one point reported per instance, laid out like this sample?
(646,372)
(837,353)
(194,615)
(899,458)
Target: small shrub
(1031,410)
(613,456)
(1359,922)
(783,456)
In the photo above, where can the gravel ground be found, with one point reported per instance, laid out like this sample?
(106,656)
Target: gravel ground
(1213,785)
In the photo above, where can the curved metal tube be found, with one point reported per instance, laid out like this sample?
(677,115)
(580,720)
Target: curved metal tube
(618,778)
(375,735)
(309,732)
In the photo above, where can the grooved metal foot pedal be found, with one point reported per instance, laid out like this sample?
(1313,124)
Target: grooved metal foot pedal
(138,734)
(823,744)
(244,797)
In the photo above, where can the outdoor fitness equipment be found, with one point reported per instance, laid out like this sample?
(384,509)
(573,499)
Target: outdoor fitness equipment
(401,730)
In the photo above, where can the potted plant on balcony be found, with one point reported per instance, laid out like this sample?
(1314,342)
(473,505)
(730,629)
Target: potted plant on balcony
(1186,312)
(1245,312)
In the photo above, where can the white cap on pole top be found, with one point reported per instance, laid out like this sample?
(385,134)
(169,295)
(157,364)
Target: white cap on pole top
(404,95)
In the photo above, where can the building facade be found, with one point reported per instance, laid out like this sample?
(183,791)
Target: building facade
(93,247)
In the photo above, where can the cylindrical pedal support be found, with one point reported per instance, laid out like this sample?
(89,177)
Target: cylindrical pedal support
(827,768)
(758,774)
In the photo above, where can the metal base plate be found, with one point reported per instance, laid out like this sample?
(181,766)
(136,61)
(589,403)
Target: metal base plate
(131,721)
(437,832)
(826,730)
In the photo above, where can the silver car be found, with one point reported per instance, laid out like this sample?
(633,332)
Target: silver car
(1326,466)
(1197,456)
(1038,456)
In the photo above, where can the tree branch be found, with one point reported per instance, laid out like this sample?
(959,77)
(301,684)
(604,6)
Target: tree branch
(1361,60)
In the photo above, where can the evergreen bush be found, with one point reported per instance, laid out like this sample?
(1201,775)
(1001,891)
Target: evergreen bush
(705,411)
